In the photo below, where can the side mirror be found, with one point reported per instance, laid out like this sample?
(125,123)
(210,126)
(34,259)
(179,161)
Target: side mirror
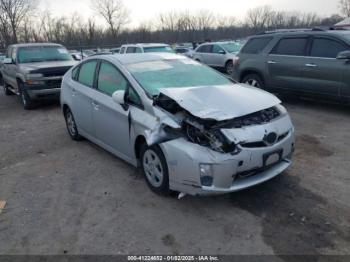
(222,52)
(344,55)
(119,98)
(8,61)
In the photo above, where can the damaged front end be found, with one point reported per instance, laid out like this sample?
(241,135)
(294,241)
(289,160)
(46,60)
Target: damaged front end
(210,133)
(205,133)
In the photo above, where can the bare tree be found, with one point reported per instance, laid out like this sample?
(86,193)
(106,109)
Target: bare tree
(113,12)
(344,6)
(15,12)
(260,17)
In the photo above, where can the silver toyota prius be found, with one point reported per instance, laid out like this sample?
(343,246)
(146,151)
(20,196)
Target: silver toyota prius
(189,128)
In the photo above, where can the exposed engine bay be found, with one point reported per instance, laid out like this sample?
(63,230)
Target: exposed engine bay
(207,132)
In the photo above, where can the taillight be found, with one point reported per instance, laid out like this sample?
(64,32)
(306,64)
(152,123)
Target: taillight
(236,61)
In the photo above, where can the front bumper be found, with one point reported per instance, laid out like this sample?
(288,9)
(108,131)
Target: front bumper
(231,173)
(49,89)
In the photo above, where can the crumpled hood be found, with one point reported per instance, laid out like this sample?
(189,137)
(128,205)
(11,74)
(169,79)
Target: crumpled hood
(221,102)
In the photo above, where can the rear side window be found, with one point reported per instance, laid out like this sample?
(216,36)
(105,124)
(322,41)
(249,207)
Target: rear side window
(327,48)
(291,46)
(110,79)
(130,50)
(87,73)
(256,45)
(122,50)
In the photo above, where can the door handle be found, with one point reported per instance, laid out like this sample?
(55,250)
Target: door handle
(95,105)
(310,65)
(271,62)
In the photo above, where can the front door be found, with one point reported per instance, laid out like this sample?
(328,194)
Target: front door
(111,120)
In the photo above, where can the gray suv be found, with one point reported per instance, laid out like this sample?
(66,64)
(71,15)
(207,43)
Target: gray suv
(302,62)
(35,71)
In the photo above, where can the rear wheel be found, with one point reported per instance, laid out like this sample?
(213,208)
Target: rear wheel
(25,99)
(155,169)
(7,91)
(253,80)
(71,125)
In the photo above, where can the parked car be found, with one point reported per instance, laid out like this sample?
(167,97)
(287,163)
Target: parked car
(146,48)
(78,56)
(189,128)
(301,62)
(115,50)
(184,51)
(218,54)
(35,71)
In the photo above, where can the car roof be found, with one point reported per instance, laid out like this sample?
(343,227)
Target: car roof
(303,31)
(36,44)
(140,58)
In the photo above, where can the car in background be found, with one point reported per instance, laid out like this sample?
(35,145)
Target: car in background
(115,50)
(89,52)
(218,54)
(35,71)
(78,56)
(188,127)
(310,62)
(146,48)
(180,50)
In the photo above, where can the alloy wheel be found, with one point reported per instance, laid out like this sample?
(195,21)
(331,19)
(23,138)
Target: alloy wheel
(153,168)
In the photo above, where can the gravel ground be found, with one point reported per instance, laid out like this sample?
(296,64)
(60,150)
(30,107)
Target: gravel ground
(65,197)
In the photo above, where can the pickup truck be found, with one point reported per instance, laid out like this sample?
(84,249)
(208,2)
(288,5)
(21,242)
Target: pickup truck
(35,71)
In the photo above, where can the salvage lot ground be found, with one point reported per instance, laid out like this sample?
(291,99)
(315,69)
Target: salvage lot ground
(67,197)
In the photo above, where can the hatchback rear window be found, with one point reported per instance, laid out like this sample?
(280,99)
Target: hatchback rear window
(256,45)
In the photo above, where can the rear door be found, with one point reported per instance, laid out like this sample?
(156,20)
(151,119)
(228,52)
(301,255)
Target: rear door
(202,53)
(322,72)
(82,94)
(285,61)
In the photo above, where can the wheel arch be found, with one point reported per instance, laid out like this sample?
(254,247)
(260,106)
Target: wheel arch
(139,141)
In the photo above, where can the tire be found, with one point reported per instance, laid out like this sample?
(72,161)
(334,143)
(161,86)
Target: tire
(253,80)
(229,68)
(27,103)
(155,169)
(71,125)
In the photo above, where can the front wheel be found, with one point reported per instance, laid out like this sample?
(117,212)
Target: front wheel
(25,99)
(253,80)
(155,169)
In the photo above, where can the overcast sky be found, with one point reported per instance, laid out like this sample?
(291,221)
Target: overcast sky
(143,10)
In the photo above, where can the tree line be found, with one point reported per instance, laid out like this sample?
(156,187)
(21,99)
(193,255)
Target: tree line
(21,21)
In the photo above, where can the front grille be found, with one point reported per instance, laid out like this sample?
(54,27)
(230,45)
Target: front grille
(260,144)
(53,83)
(52,72)
(254,172)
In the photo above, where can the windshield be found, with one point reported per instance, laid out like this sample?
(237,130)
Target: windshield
(158,49)
(179,73)
(42,53)
(232,47)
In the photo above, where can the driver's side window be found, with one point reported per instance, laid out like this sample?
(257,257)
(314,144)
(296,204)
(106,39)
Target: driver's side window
(110,79)
(217,49)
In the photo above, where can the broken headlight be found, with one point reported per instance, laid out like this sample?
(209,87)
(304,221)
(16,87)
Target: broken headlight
(214,139)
